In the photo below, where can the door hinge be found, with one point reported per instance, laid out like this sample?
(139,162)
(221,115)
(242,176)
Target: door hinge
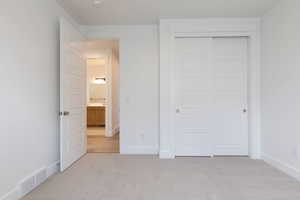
(65,113)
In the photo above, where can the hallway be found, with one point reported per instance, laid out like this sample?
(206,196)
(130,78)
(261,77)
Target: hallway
(98,143)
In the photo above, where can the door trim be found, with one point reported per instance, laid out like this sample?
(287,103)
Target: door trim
(171,29)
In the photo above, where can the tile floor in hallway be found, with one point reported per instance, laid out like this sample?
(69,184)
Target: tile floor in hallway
(122,177)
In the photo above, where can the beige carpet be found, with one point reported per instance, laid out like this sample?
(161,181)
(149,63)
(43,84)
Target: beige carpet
(116,177)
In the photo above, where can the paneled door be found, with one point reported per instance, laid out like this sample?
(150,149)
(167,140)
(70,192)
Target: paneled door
(72,95)
(209,96)
(193,97)
(230,96)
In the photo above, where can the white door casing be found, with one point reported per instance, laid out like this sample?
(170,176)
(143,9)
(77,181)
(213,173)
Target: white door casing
(210,96)
(72,95)
(108,106)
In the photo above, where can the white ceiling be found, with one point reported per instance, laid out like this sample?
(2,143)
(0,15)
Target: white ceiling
(131,12)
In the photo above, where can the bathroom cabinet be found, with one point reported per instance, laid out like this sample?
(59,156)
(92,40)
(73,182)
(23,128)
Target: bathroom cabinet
(95,115)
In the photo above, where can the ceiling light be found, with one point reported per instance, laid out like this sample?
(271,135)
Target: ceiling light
(99,81)
(97,2)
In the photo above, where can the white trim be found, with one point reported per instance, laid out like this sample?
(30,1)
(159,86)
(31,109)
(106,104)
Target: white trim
(139,150)
(16,193)
(53,169)
(108,103)
(286,168)
(116,130)
(166,154)
(169,29)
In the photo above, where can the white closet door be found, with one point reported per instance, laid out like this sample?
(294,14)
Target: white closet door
(193,97)
(209,96)
(230,88)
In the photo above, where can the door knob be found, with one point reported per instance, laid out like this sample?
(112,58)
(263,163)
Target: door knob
(177,110)
(245,110)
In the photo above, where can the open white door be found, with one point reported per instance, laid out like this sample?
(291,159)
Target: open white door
(72,95)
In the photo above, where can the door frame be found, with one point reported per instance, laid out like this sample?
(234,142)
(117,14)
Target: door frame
(108,103)
(119,128)
(108,106)
(171,29)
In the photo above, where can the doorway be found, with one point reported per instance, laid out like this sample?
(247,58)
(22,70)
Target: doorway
(102,114)
(210,96)
(87,100)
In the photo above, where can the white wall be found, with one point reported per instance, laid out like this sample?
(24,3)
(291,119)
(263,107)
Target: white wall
(281,86)
(29,78)
(95,90)
(139,84)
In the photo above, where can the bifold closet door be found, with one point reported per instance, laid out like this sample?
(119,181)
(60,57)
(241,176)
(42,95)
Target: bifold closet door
(209,95)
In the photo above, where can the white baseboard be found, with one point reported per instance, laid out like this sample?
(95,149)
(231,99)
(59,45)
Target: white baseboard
(115,130)
(165,154)
(32,181)
(14,194)
(53,169)
(286,168)
(139,150)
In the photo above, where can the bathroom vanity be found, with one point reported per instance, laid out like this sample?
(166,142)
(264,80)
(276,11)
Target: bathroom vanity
(96,114)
